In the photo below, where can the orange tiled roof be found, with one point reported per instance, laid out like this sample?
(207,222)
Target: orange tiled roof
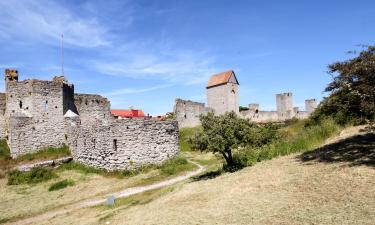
(128,113)
(220,78)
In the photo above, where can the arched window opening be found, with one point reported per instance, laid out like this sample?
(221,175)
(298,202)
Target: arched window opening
(20,104)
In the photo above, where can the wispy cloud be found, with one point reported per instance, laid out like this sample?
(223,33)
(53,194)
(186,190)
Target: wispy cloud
(135,90)
(47,20)
(173,65)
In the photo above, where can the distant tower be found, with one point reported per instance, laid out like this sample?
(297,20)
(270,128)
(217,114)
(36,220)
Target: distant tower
(222,93)
(284,105)
(310,105)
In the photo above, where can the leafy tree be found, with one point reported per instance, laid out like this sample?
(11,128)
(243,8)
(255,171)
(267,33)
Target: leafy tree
(352,90)
(222,134)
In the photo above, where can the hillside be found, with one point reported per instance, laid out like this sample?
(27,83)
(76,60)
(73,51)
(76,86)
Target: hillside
(334,184)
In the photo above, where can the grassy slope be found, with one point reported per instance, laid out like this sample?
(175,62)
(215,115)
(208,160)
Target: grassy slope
(7,163)
(286,190)
(87,183)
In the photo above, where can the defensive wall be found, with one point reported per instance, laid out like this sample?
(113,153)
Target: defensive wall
(37,114)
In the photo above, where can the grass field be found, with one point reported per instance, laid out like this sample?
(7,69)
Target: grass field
(327,185)
(60,191)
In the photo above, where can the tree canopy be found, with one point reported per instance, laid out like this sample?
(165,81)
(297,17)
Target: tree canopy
(225,133)
(352,90)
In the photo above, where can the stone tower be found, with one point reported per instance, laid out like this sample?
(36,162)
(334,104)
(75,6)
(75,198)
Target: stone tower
(284,105)
(222,93)
(310,105)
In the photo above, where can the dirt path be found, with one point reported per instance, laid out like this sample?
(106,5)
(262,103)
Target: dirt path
(124,193)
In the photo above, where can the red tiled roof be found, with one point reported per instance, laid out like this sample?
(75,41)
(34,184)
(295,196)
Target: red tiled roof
(128,113)
(220,78)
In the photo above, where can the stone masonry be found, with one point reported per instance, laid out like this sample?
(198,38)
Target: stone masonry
(37,114)
(222,97)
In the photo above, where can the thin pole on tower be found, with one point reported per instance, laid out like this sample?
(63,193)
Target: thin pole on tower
(62,54)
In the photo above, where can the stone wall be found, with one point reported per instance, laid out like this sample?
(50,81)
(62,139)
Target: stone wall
(2,115)
(93,109)
(188,112)
(34,115)
(257,116)
(123,144)
(223,98)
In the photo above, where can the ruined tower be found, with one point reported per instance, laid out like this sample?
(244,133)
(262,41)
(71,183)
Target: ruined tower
(222,93)
(284,105)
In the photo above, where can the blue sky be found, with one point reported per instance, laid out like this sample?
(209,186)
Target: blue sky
(144,54)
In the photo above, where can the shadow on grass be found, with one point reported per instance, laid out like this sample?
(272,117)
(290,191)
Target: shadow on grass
(213,174)
(208,175)
(356,150)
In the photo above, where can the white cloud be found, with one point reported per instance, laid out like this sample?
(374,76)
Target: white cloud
(46,21)
(173,66)
(134,90)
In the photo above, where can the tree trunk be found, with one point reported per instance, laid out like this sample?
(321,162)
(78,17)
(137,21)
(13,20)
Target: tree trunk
(228,157)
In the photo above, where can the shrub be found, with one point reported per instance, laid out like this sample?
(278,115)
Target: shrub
(174,165)
(60,185)
(36,175)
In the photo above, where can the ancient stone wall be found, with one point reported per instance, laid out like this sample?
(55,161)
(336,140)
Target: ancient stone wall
(2,115)
(284,105)
(34,115)
(93,109)
(123,144)
(188,112)
(223,98)
(257,116)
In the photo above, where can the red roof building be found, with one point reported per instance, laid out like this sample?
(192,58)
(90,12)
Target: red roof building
(222,78)
(128,113)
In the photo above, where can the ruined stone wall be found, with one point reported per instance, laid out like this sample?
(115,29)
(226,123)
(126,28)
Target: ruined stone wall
(123,144)
(302,115)
(188,112)
(2,115)
(93,109)
(223,98)
(257,116)
(34,115)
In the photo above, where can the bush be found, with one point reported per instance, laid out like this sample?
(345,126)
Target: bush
(60,185)
(36,175)
(174,166)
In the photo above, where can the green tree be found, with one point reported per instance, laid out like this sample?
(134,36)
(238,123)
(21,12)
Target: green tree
(352,90)
(222,134)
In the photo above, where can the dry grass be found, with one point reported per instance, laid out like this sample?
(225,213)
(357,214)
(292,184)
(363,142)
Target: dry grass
(286,190)
(26,200)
